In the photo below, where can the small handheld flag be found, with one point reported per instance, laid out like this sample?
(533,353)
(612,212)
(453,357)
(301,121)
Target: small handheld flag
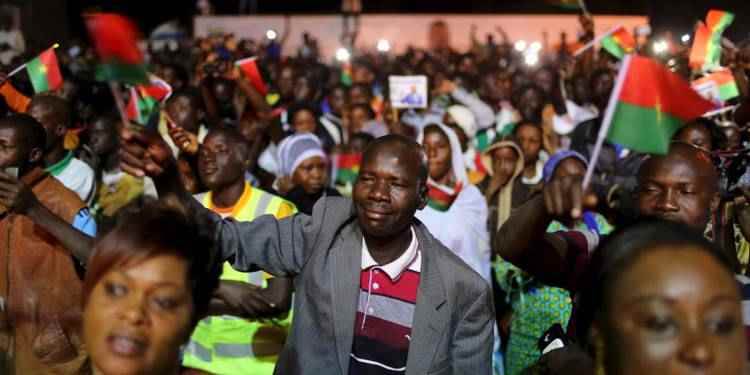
(115,39)
(648,105)
(718,86)
(705,54)
(44,72)
(619,43)
(249,68)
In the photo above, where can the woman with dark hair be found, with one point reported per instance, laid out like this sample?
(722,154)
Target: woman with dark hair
(148,283)
(663,301)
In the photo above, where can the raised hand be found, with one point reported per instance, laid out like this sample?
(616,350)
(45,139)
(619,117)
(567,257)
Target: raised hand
(144,153)
(564,198)
(16,195)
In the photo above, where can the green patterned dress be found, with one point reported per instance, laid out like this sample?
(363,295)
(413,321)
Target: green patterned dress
(536,307)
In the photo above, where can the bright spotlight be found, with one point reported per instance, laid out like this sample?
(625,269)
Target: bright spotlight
(685,38)
(660,47)
(343,54)
(536,46)
(520,45)
(383,45)
(531,59)
(271,34)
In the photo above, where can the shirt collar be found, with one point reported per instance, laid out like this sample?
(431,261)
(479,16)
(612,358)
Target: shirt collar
(395,268)
(57,168)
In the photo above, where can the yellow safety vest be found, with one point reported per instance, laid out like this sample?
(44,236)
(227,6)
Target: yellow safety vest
(227,345)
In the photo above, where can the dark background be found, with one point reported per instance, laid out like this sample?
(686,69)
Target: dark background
(58,20)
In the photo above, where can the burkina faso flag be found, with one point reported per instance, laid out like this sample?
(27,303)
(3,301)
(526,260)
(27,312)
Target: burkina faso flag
(115,39)
(44,72)
(648,105)
(619,42)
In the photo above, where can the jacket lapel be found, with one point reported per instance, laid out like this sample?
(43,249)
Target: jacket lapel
(431,315)
(346,270)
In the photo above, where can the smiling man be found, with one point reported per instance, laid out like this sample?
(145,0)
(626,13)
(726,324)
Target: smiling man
(376,292)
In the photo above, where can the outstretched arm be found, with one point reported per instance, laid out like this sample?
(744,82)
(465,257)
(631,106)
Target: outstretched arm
(19,198)
(551,257)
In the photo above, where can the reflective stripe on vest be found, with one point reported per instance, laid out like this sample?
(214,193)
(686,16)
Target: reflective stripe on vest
(224,345)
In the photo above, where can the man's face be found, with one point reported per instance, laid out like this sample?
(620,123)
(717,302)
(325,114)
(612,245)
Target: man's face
(302,90)
(219,162)
(11,148)
(531,104)
(387,192)
(304,122)
(359,117)
(337,101)
(357,95)
(545,79)
(602,87)
(286,83)
(102,137)
(45,117)
(181,110)
(678,189)
(530,139)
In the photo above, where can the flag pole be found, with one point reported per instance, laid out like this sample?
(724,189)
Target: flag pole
(21,67)
(607,121)
(719,111)
(595,41)
(582,4)
(119,102)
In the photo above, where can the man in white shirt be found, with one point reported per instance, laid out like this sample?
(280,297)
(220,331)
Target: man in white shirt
(54,114)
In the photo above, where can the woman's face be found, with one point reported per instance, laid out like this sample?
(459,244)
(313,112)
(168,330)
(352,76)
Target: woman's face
(674,312)
(438,150)
(530,139)
(504,162)
(304,122)
(311,174)
(136,318)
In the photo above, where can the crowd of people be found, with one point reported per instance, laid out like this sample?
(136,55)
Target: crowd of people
(316,228)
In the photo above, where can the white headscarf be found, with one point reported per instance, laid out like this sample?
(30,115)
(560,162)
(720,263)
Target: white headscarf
(458,167)
(463,228)
(295,149)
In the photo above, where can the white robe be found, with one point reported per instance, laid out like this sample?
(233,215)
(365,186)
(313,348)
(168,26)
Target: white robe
(463,228)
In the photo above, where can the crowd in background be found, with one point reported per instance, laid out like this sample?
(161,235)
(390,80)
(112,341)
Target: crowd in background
(506,139)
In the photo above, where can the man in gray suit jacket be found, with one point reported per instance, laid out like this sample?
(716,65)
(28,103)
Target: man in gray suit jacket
(375,292)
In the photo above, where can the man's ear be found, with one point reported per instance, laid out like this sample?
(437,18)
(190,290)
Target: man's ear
(35,155)
(60,130)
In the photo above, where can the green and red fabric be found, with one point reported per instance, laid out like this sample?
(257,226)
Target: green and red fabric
(619,42)
(115,39)
(648,105)
(484,139)
(249,68)
(706,51)
(346,74)
(441,197)
(44,72)
(144,99)
(158,89)
(347,167)
(718,85)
